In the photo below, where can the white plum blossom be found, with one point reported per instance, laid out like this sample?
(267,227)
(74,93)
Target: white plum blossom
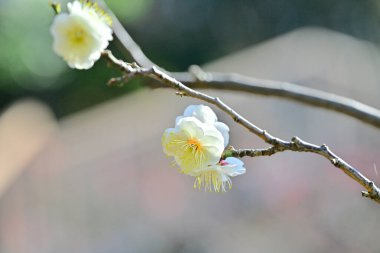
(216,177)
(193,144)
(81,35)
(197,143)
(206,115)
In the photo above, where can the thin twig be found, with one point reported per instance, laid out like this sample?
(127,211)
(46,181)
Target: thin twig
(236,82)
(278,145)
(126,40)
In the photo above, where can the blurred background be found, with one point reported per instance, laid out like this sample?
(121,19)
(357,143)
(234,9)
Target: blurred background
(175,34)
(82,169)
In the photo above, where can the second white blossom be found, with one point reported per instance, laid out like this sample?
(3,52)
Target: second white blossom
(81,35)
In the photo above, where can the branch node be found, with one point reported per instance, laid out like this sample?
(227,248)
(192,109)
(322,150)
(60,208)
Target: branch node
(199,74)
(365,194)
(115,81)
(296,141)
(267,138)
(135,65)
(155,70)
(181,93)
(324,147)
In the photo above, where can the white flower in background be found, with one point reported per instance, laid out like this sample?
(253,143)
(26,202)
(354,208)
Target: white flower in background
(206,115)
(81,35)
(193,144)
(216,177)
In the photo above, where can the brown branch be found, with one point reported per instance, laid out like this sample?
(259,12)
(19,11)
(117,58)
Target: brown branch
(235,82)
(278,145)
(126,40)
(232,152)
(297,93)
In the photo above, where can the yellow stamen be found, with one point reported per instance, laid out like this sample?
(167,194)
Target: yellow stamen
(212,181)
(99,11)
(77,35)
(195,144)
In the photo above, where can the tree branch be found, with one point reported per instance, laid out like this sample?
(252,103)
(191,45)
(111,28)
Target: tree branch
(278,145)
(232,152)
(297,93)
(236,82)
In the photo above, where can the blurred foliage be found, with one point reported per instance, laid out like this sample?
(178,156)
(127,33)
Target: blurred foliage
(175,34)
(130,10)
(25,59)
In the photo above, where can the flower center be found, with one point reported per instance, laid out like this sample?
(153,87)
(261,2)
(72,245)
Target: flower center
(77,35)
(194,144)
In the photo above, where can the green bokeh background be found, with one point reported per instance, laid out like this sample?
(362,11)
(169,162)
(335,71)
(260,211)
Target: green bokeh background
(174,34)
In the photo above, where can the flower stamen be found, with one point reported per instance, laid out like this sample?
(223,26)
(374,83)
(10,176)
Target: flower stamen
(194,144)
(211,181)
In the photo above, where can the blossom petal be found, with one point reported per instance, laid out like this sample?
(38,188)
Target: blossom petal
(234,167)
(170,140)
(204,113)
(224,130)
